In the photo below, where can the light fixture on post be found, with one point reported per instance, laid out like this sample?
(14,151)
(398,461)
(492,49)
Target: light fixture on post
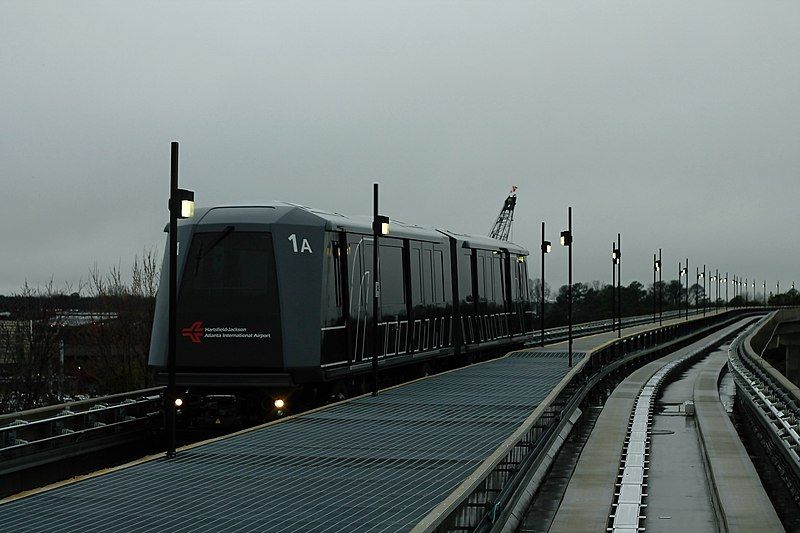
(180,205)
(566,240)
(380,227)
(545,247)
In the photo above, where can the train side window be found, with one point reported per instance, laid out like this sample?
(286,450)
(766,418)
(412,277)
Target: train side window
(391,261)
(523,275)
(515,288)
(359,263)
(465,276)
(426,276)
(416,274)
(481,274)
(334,274)
(438,276)
(497,281)
(366,280)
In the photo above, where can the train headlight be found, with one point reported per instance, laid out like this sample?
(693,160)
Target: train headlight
(178,402)
(280,404)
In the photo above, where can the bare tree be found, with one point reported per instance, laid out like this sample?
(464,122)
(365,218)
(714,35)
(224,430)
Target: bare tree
(117,344)
(30,344)
(536,288)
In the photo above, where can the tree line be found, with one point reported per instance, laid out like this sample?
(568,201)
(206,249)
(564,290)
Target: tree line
(594,301)
(46,358)
(109,353)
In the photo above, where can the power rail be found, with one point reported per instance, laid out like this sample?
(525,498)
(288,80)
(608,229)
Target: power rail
(774,409)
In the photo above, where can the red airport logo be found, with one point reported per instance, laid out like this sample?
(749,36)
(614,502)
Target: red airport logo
(194,333)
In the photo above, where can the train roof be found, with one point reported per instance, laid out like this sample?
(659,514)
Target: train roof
(258,214)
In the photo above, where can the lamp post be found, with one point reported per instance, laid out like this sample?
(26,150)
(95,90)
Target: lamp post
(566,240)
(613,286)
(380,226)
(546,247)
(705,298)
(181,205)
(660,290)
(687,288)
(725,281)
(697,291)
(656,268)
(711,282)
(618,253)
(680,286)
(684,272)
(765,293)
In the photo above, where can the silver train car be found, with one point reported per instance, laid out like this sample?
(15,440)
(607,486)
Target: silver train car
(277,299)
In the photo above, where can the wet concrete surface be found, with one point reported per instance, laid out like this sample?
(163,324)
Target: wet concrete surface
(545,503)
(679,497)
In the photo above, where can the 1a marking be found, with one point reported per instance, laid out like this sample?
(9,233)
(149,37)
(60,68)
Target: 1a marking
(304,246)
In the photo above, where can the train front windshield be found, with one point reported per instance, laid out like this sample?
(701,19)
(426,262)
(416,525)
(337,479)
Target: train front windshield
(228,314)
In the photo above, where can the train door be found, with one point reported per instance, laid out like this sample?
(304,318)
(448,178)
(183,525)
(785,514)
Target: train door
(360,283)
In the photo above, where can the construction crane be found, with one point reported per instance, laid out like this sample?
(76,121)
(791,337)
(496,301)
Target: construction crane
(502,226)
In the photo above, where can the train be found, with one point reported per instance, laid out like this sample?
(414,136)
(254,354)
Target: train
(274,306)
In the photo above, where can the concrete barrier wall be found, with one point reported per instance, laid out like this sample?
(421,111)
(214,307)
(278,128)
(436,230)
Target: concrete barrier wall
(760,339)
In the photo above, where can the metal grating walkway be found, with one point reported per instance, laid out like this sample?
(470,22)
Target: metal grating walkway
(372,464)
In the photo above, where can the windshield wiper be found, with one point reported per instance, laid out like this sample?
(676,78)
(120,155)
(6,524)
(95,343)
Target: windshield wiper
(227,231)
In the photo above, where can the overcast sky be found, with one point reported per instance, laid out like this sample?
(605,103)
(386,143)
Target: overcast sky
(674,123)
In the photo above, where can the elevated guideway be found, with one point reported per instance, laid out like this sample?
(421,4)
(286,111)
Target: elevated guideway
(441,453)
(770,410)
(640,471)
